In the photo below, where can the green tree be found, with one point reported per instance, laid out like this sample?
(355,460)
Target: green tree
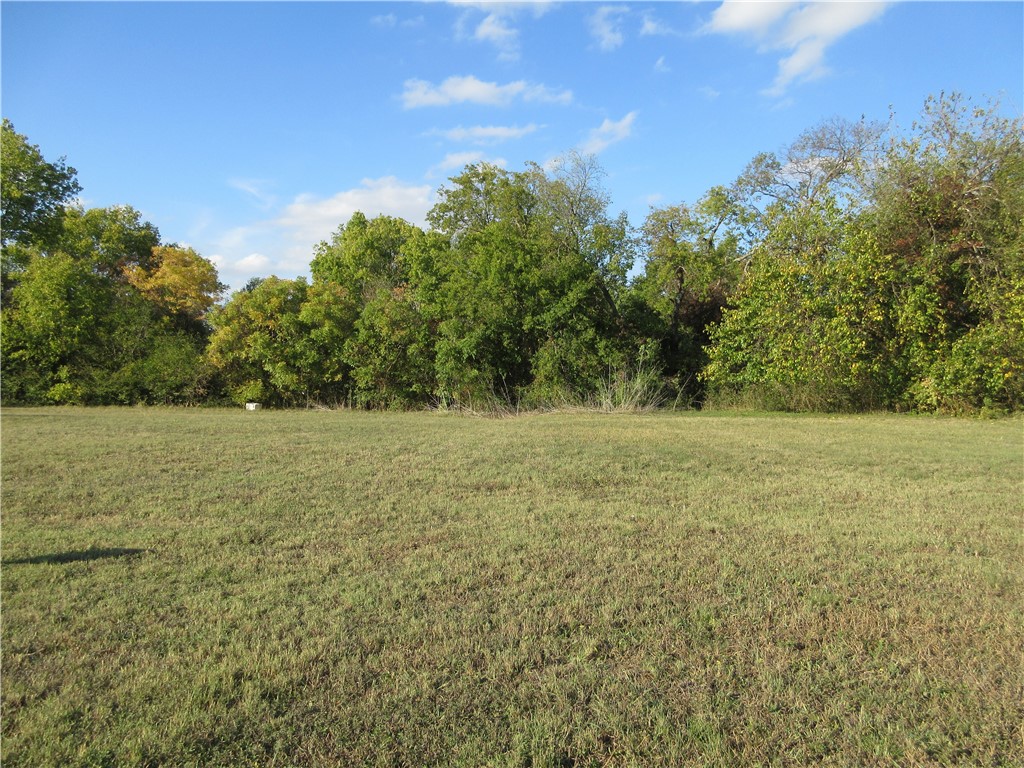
(895,283)
(491,291)
(114,241)
(808,326)
(72,335)
(948,200)
(476,329)
(95,310)
(327,319)
(530,288)
(51,330)
(364,253)
(180,283)
(391,352)
(388,267)
(33,192)
(33,196)
(580,228)
(695,257)
(281,342)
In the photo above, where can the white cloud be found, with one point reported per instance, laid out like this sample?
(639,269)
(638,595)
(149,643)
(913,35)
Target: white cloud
(390,20)
(537,7)
(757,18)
(282,243)
(807,62)
(829,21)
(652,26)
(254,262)
(384,20)
(456,161)
(604,26)
(608,133)
(805,30)
(498,25)
(469,89)
(495,29)
(661,66)
(236,271)
(235,239)
(310,219)
(256,189)
(708,92)
(489,134)
(459,160)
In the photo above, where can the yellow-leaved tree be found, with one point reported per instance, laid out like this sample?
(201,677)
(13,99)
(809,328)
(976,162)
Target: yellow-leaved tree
(179,281)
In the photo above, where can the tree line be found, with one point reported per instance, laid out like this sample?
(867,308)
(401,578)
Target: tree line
(861,267)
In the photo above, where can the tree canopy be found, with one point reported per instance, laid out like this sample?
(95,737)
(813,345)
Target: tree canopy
(864,266)
(33,192)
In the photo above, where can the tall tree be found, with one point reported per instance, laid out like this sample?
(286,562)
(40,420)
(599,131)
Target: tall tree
(830,159)
(948,199)
(531,287)
(33,192)
(364,253)
(282,341)
(572,194)
(808,325)
(115,241)
(695,256)
(489,292)
(907,296)
(52,328)
(179,282)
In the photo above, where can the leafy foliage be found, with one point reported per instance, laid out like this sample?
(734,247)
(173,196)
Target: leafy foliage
(96,310)
(908,298)
(281,342)
(179,282)
(862,267)
(33,192)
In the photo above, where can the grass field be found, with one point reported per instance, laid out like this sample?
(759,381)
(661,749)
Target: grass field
(213,588)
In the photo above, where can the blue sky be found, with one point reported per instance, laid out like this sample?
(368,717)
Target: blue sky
(250,131)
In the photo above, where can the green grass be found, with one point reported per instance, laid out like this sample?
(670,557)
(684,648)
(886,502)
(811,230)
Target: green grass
(202,587)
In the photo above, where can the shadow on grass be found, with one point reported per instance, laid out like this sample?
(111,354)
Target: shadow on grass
(82,555)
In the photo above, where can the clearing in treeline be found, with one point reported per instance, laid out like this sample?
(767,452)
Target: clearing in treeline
(302,588)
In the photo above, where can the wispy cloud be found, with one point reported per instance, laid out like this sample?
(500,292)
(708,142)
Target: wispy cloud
(805,30)
(384,20)
(459,160)
(469,89)
(495,29)
(653,26)
(489,134)
(456,161)
(608,133)
(757,18)
(256,190)
(604,26)
(499,25)
(254,262)
(661,66)
(390,21)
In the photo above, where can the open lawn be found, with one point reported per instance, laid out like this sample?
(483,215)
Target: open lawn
(213,588)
